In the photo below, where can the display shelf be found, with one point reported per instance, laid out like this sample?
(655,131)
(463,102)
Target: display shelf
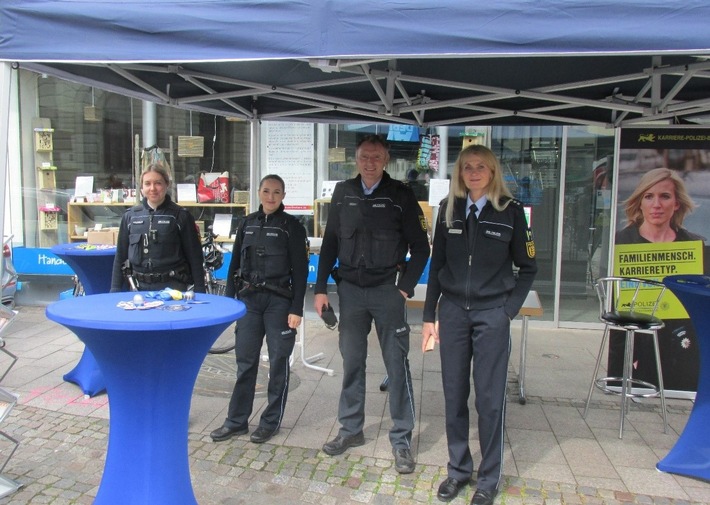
(78,213)
(320,216)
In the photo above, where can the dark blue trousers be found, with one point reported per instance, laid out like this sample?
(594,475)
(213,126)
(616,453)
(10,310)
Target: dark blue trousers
(359,307)
(481,338)
(267,314)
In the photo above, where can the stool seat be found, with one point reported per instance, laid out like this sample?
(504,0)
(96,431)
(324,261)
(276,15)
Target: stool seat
(632,320)
(629,304)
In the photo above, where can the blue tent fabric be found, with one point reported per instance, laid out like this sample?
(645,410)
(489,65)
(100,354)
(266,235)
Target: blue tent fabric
(420,63)
(228,30)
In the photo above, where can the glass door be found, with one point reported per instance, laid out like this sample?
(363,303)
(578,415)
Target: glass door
(530,159)
(585,238)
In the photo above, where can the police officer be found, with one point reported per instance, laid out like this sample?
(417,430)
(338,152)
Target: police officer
(374,221)
(481,232)
(158,242)
(268,272)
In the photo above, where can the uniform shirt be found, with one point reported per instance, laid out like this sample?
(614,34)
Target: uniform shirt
(477,272)
(371,235)
(271,248)
(158,241)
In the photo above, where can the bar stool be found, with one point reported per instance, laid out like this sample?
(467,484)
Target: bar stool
(629,304)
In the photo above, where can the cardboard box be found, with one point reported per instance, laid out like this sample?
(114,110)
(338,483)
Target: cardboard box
(107,236)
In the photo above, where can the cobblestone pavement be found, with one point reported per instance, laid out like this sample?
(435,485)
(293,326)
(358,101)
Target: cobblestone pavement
(552,455)
(60,461)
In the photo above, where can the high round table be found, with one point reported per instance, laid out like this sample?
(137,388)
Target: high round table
(150,360)
(93,265)
(690,455)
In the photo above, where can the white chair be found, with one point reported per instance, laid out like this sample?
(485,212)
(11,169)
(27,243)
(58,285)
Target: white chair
(8,401)
(6,318)
(629,304)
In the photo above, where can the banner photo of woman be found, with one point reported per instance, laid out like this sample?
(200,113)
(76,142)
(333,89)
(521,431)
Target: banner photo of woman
(663,226)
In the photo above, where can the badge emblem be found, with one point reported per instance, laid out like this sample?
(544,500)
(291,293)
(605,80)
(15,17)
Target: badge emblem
(531,249)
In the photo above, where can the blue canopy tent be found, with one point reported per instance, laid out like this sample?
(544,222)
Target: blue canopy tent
(423,63)
(415,62)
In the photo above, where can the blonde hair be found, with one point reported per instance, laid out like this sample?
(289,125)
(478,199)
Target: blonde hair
(650,179)
(496,190)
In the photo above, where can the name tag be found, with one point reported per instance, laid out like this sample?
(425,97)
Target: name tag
(455,231)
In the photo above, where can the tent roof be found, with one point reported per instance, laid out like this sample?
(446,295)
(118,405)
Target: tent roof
(416,62)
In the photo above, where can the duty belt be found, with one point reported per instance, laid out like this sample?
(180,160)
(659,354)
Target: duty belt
(154,277)
(246,287)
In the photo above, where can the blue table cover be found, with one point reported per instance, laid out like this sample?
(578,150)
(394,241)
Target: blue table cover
(150,360)
(690,455)
(93,265)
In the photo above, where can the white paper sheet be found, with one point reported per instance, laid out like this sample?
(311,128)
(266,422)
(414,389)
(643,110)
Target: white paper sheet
(187,193)
(222,225)
(84,185)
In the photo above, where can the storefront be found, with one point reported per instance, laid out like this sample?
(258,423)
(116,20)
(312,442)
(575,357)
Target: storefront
(70,132)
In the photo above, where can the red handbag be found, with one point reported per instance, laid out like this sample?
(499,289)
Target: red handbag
(213,187)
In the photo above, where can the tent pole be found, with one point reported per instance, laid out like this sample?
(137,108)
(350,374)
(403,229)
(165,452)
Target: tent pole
(5,80)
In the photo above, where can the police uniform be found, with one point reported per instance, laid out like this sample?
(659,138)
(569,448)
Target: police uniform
(162,246)
(471,279)
(370,236)
(268,272)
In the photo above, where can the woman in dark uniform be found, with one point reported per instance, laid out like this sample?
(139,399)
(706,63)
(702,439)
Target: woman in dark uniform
(268,272)
(481,233)
(158,241)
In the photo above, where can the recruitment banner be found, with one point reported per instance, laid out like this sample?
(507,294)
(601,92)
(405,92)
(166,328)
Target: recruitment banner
(654,262)
(663,222)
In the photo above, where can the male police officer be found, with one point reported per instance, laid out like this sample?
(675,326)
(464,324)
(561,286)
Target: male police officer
(374,222)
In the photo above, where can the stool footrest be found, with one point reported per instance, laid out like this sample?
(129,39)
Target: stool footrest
(602,384)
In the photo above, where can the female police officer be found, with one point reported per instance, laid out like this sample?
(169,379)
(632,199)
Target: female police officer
(481,232)
(158,242)
(268,272)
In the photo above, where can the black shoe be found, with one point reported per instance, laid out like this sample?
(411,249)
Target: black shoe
(341,444)
(449,488)
(481,497)
(224,433)
(262,435)
(403,460)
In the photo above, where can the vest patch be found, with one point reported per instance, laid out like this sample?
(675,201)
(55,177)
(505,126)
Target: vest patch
(531,249)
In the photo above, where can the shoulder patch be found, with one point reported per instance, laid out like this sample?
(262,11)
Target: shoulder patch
(516,202)
(422,221)
(529,243)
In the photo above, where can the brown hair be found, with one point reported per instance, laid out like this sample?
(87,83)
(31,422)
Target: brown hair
(155,167)
(274,177)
